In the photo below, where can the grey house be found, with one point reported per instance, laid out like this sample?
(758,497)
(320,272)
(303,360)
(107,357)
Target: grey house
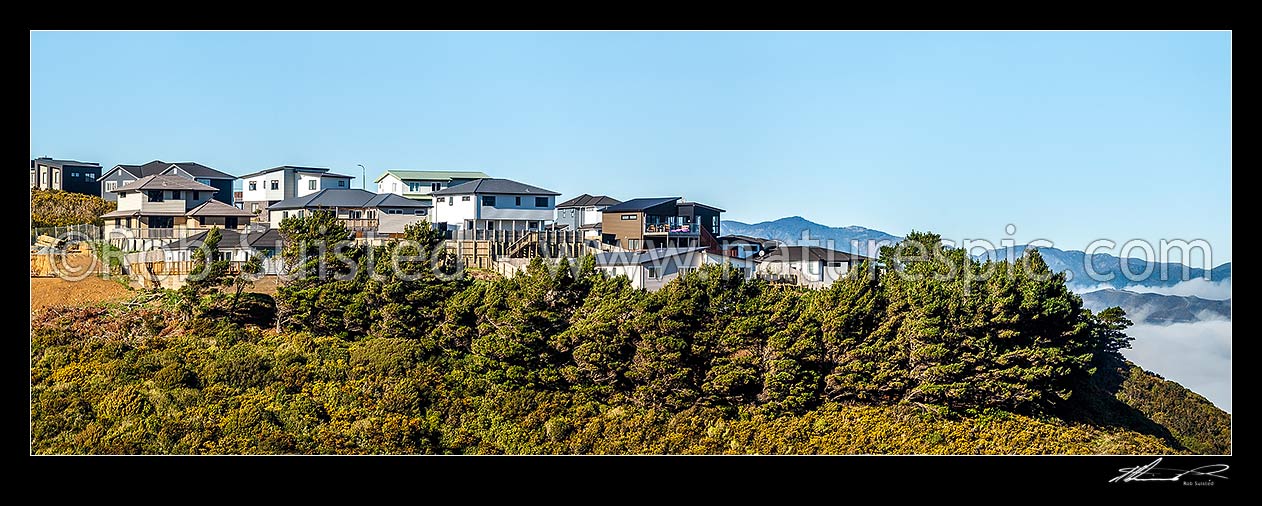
(66,175)
(583,212)
(121,175)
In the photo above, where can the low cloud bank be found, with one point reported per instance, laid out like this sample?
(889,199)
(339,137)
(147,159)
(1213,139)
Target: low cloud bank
(1195,355)
(1196,287)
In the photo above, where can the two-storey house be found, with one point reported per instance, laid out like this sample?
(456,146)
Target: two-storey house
(494,204)
(65,175)
(583,213)
(662,222)
(169,207)
(122,175)
(262,189)
(419,184)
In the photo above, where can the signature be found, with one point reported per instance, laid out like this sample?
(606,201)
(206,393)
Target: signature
(1151,472)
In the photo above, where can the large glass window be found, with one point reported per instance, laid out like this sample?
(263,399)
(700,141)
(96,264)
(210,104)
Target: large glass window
(541,201)
(155,195)
(275,184)
(311,184)
(435,187)
(488,200)
(254,185)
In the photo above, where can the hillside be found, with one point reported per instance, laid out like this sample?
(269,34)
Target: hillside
(55,208)
(568,360)
(1157,308)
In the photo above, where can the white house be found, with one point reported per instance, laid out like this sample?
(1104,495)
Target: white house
(418,184)
(652,269)
(494,204)
(583,213)
(810,266)
(262,189)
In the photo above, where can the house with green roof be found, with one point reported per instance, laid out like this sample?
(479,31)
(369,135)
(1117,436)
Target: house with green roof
(418,184)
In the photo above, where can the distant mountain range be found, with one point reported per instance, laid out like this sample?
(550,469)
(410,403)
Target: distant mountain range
(791,230)
(1157,308)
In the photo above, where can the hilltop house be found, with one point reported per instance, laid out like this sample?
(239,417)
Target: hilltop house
(651,223)
(810,266)
(66,175)
(122,175)
(167,207)
(262,189)
(494,204)
(418,184)
(651,269)
(363,212)
(583,213)
(744,246)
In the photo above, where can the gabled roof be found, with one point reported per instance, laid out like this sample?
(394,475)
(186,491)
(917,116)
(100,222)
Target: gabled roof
(640,204)
(698,204)
(62,163)
(642,257)
(350,198)
(493,186)
(742,238)
(809,253)
(214,207)
(233,239)
(586,200)
(164,183)
(433,175)
(157,167)
(149,169)
(198,170)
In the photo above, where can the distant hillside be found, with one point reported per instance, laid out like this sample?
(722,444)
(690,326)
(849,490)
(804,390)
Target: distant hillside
(1109,266)
(799,230)
(1158,308)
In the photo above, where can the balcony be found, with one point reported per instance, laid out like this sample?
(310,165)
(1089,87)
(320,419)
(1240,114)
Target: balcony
(669,225)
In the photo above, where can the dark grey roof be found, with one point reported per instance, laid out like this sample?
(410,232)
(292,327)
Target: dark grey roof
(330,174)
(62,163)
(253,238)
(745,238)
(698,204)
(202,171)
(640,204)
(214,207)
(164,183)
(799,253)
(641,257)
(493,185)
(292,167)
(586,200)
(149,169)
(392,200)
(349,197)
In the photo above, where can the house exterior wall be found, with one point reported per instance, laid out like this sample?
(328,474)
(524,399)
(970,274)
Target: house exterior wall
(115,179)
(507,208)
(391,184)
(624,231)
(71,178)
(305,181)
(569,216)
(455,210)
(263,191)
(340,183)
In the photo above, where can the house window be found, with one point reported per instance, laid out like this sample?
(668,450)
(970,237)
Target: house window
(74,174)
(118,222)
(541,201)
(421,212)
(435,187)
(394,187)
(43,178)
(652,271)
(311,185)
(488,200)
(533,225)
(633,244)
(628,217)
(490,225)
(175,194)
(155,195)
(442,199)
(275,184)
(110,186)
(341,183)
(254,207)
(88,176)
(202,180)
(230,222)
(517,201)
(284,214)
(254,185)
(32,178)
(197,195)
(465,198)
(56,178)
(468,224)
(836,264)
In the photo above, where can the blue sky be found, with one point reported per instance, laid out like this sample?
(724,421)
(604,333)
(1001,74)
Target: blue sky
(1072,136)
